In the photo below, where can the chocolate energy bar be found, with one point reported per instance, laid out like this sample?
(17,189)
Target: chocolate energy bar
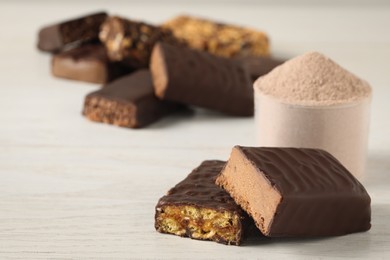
(201,79)
(128,102)
(296,192)
(259,66)
(217,38)
(88,63)
(132,41)
(199,209)
(55,37)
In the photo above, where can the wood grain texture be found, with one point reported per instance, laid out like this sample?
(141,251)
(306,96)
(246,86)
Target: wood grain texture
(73,189)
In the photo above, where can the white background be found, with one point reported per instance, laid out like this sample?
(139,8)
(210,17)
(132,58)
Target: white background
(70,188)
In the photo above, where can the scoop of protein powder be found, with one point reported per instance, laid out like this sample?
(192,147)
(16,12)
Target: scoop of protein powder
(312,102)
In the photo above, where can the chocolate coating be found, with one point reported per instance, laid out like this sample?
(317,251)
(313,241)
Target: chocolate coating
(199,189)
(259,66)
(88,63)
(128,101)
(201,79)
(199,192)
(315,194)
(55,37)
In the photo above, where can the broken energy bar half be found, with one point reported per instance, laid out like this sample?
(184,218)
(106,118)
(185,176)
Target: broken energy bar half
(296,192)
(197,208)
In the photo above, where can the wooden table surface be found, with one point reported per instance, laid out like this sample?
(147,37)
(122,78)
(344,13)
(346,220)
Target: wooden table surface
(73,189)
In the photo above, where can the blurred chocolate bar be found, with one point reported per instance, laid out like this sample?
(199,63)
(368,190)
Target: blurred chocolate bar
(88,63)
(218,38)
(259,66)
(131,41)
(55,37)
(198,78)
(128,102)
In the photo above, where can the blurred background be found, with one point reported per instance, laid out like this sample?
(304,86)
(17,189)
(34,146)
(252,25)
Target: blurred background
(294,27)
(353,33)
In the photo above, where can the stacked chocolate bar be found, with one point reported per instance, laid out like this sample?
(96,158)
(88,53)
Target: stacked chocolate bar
(77,52)
(149,71)
(284,192)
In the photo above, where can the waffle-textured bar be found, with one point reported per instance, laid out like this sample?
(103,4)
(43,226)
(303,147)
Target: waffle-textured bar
(197,208)
(296,192)
(218,38)
(55,37)
(132,41)
(201,79)
(128,102)
(88,63)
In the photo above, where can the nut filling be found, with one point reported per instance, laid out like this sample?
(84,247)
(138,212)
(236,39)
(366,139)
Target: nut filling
(132,41)
(199,223)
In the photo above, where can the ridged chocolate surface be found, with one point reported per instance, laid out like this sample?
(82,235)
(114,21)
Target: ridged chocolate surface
(319,196)
(134,91)
(199,189)
(55,37)
(201,79)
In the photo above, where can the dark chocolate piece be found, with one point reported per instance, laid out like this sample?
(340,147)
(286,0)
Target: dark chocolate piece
(55,37)
(296,192)
(199,209)
(132,41)
(88,63)
(128,101)
(259,66)
(201,79)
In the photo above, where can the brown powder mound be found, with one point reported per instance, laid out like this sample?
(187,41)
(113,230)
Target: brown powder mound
(313,79)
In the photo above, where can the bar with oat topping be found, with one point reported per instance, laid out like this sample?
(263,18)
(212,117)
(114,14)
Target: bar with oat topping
(218,38)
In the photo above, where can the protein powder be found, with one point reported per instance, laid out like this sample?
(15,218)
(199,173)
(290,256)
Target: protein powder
(312,102)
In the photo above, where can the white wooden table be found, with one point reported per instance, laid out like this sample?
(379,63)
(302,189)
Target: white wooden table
(70,188)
